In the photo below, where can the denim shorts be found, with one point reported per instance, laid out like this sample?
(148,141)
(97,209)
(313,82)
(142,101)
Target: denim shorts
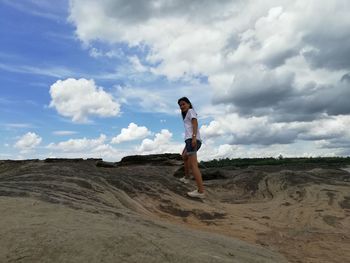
(189,149)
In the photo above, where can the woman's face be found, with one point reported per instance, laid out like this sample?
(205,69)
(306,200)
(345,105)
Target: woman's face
(184,106)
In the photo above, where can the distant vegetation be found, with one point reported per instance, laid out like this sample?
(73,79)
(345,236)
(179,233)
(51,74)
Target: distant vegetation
(244,162)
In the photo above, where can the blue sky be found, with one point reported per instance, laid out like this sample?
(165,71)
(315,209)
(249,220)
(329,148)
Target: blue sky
(102,78)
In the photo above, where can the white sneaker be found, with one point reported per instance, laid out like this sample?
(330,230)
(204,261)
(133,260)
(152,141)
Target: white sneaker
(197,194)
(184,180)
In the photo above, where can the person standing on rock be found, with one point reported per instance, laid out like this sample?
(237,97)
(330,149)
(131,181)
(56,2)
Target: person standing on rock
(192,144)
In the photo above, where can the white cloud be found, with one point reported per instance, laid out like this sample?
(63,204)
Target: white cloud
(271,66)
(104,151)
(87,148)
(18,125)
(162,143)
(133,132)
(174,40)
(80,99)
(253,130)
(331,128)
(28,142)
(263,131)
(220,41)
(212,150)
(52,71)
(64,133)
(137,65)
(96,53)
(78,145)
(199,39)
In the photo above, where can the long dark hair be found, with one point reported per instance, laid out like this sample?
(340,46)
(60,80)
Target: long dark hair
(185,99)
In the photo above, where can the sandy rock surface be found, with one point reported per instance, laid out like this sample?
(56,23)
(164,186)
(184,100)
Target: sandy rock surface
(61,210)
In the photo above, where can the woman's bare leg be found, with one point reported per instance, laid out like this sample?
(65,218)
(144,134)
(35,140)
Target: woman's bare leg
(193,163)
(186,164)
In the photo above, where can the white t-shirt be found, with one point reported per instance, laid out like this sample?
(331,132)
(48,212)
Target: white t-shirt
(191,114)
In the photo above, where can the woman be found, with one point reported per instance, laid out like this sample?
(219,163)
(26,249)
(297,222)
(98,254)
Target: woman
(193,143)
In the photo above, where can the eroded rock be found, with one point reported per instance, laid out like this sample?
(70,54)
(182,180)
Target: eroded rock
(140,203)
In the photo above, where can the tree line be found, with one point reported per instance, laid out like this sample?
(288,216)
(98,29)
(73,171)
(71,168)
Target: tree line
(244,162)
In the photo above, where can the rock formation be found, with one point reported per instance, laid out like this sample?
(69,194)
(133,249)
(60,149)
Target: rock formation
(136,210)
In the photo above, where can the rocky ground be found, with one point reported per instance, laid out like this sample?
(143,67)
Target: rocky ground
(60,210)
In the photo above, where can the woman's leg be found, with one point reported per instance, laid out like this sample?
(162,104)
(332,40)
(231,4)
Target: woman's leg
(186,163)
(193,163)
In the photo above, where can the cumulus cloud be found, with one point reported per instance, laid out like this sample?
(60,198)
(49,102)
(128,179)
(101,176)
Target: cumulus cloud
(316,100)
(239,53)
(80,99)
(162,143)
(328,48)
(137,65)
(263,131)
(280,68)
(176,32)
(267,90)
(78,145)
(277,94)
(333,129)
(253,130)
(87,148)
(28,142)
(133,132)
(210,151)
